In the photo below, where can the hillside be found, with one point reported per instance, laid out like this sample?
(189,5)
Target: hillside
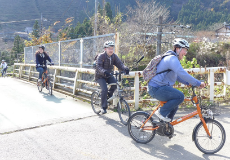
(201,13)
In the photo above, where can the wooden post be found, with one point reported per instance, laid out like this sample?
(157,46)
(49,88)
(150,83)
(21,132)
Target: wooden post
(116,36)
(13,70)
(136,91)
(29,73)
(211,82)
(55,79)
(78,76)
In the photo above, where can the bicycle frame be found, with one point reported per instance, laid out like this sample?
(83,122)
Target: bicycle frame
(46,79)
(182,119)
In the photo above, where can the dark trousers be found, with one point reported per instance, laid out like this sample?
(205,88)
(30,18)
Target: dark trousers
(104,90)
(4,71)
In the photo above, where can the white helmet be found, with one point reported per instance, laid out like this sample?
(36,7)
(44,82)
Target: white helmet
(181,43)
(109,44)
(3,60)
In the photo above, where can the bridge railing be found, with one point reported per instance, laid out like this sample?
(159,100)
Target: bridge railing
(28,72)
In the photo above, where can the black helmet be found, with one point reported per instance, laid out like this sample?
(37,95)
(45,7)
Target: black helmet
(43,47)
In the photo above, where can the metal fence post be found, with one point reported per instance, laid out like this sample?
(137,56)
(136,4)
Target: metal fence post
(59,53)
(24,55)
(33,54)
(81,49)
(136,90)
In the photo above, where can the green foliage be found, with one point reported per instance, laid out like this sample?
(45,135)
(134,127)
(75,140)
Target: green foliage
(189,64)
(18,45)
(80,30)
(35,32)
(203,13)
(99,9)
(108,11)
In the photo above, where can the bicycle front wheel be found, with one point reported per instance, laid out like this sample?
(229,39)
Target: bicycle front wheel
(39,85)
(123,111)
(50,87)
(137,133)
(206,144)
(96,102)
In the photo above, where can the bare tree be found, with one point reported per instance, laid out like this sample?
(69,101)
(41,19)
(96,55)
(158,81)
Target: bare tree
(138,33)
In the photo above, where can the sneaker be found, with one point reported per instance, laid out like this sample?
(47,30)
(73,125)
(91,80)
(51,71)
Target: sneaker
(157,113)
(103,111)
(39,80)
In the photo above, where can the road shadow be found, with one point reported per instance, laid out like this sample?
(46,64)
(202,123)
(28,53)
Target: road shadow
(114,123)
(158,146)
(51,98)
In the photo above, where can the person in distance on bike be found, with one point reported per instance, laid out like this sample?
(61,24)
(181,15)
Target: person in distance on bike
(3,66)
(161,85)
(41,57)
(104,67)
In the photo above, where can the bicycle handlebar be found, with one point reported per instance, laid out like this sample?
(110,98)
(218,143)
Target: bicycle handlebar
(50,64)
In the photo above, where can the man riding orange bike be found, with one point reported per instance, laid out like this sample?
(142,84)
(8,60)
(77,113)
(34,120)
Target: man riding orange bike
(41,57)
(104,66)
(170,71)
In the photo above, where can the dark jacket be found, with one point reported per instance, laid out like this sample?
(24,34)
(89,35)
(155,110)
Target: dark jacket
(105,63)
(42,59)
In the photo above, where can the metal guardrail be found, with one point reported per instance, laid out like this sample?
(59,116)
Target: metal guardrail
(77,80)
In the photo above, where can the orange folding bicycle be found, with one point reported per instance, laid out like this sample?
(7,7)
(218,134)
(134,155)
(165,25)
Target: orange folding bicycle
(209,135)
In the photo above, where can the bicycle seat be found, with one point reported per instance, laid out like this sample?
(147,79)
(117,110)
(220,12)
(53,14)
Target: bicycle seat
(162,102)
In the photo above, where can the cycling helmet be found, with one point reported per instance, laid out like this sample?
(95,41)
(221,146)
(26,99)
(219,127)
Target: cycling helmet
(181,43)
(43,47)
(109,44)
(3,60)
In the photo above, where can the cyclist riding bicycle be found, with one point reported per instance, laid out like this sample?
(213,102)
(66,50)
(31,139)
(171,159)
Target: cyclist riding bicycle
(161,85)
(4,67)
(104,67)
(41,57)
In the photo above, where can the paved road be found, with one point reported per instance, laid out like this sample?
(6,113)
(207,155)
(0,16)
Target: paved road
(23,106)
(89,138)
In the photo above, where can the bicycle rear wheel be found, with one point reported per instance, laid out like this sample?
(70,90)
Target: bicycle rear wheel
(206,144)
(123,111)
(96,102)
(137,133)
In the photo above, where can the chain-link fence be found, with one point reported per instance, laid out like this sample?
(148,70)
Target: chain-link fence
(76,53)
(72,53)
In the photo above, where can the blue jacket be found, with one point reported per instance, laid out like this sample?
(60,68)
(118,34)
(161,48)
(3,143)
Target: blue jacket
(41,60)
(177,73)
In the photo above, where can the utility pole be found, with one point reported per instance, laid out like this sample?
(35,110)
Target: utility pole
(159,32)
(41,24)
(95,22)
(159,35)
